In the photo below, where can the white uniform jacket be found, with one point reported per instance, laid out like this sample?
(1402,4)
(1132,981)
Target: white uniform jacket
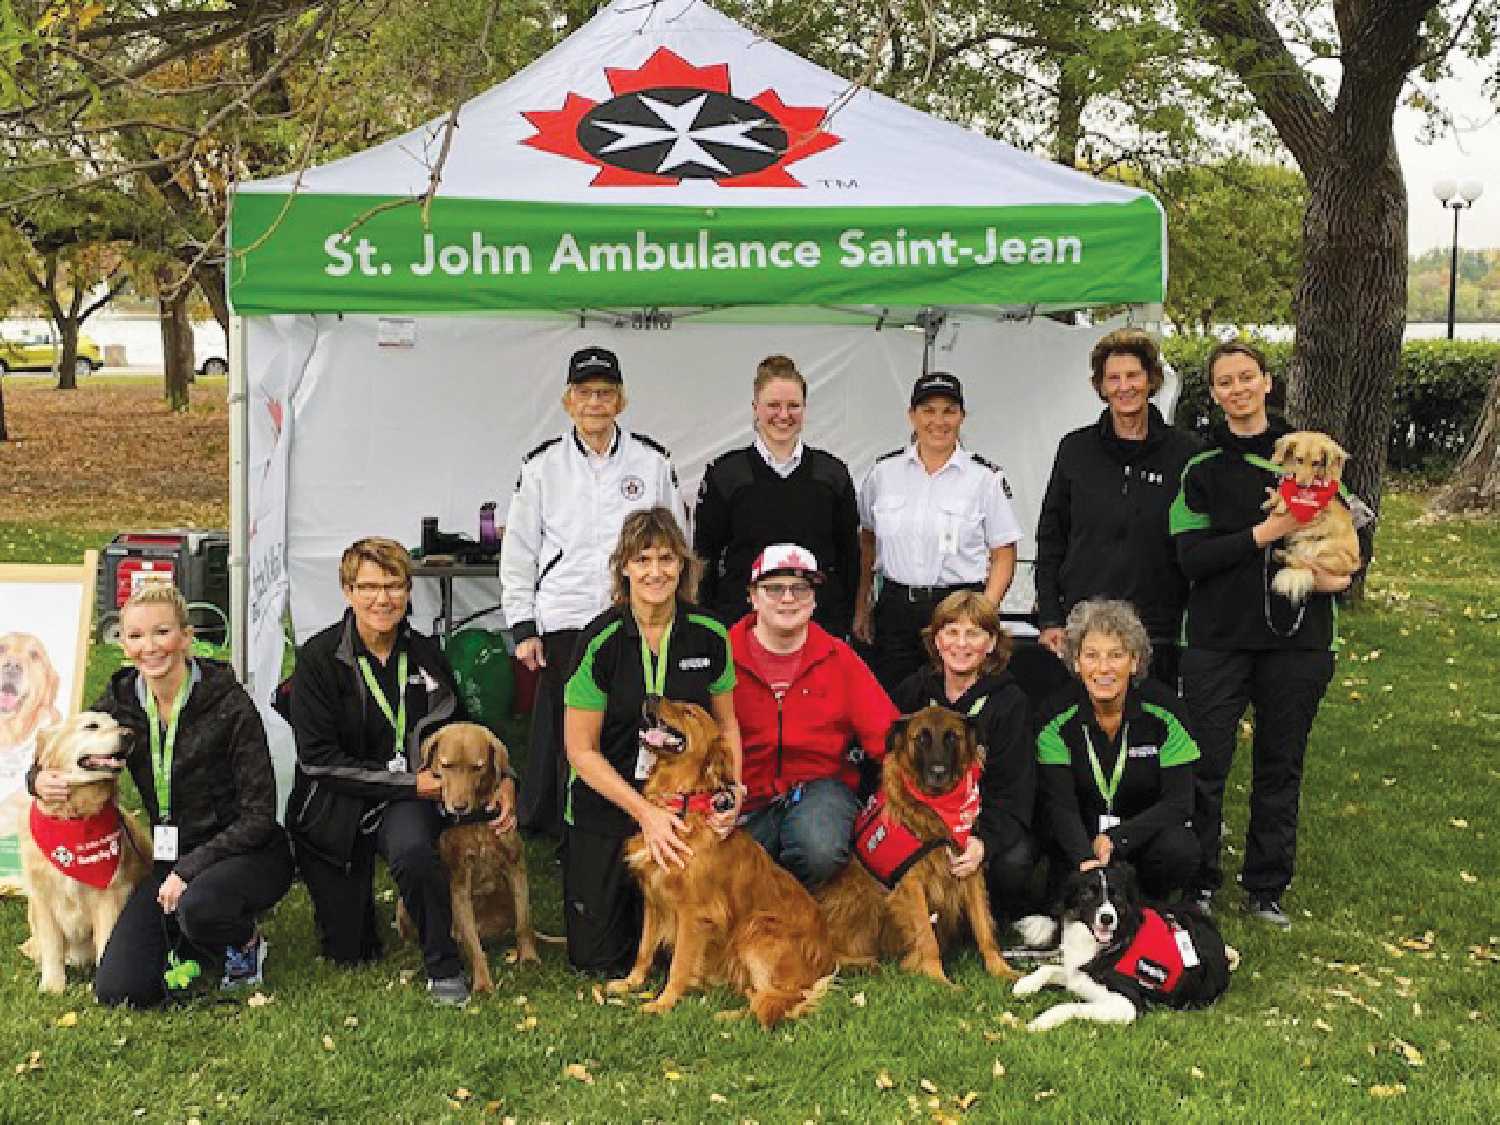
(564,521)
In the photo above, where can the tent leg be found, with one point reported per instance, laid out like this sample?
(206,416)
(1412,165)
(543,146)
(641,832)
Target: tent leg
(239,501)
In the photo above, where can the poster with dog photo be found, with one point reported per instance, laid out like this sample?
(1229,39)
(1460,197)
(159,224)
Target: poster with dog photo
(44,634)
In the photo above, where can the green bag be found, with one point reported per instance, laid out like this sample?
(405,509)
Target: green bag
(486,679)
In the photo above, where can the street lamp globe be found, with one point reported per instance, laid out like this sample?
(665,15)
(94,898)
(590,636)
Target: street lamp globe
(1444,189)
(1470,190)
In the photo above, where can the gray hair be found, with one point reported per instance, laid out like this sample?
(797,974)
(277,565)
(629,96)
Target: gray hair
(1113,619)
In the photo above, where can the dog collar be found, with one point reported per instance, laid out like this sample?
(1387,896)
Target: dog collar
(86,848)
(705,801)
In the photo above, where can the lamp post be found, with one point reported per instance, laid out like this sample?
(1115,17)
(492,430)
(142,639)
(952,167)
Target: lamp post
(1457,196)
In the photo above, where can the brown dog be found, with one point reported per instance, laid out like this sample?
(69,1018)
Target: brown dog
(731,915)
(80,858)
(1312,460)
(486,873)
(929,756)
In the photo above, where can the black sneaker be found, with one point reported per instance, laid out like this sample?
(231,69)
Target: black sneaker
(1268,909)
(449,992)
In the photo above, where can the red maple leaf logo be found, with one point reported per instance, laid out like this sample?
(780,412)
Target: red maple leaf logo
(668,121)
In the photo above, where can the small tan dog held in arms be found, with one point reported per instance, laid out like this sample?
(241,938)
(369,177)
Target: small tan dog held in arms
(82,857)
(730,915)
(486,873)
(1313,465)
(899,897)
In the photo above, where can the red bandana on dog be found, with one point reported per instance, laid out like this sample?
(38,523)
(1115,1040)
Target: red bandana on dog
(1306,501)
(958,807)
(84,848)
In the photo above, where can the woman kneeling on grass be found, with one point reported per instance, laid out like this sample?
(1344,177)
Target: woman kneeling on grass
(200,762)
(1116,759)
(969,652)
(651,643)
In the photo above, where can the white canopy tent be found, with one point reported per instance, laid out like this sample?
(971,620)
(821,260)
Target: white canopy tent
(694,197)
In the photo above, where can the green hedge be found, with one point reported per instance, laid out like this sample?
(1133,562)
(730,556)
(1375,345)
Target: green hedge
(1439,392)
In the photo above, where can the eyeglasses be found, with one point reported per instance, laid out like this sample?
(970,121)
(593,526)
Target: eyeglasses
(596,394)
(369,591)
(798,591)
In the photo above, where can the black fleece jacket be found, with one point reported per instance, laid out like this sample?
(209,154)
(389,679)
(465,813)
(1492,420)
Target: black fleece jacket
(223,797)
(744,506)
(1231,606)
(344,742)
(1103,528)
(1008,784)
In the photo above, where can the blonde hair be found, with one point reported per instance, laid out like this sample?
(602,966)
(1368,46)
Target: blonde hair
(653,527)
(775,367)
(387,554)
(978,610)
(162,593)
(1131,342)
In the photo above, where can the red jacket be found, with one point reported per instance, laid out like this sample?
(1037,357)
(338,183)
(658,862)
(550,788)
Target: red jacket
(805,735)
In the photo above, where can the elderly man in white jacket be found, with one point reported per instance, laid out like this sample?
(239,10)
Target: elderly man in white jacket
(574,492)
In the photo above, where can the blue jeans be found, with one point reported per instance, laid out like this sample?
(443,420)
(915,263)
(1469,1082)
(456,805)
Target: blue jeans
(808,831)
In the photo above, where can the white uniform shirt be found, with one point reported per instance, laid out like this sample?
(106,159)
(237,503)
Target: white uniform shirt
(564,521)
(782,469)
(936,529)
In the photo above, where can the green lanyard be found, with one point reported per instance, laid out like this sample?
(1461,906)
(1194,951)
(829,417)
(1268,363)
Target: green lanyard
(398,720)
(974,708)
(161,753)
(1108,792)
(656,685)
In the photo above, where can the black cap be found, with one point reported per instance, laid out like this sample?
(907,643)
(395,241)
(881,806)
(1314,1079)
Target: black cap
(594,363)
(936,383)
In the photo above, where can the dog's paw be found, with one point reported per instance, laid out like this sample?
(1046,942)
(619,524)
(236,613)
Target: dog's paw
(1029,985)
(660,1006)
(999,968)
(1049,1019)
(623,985)
(52,984)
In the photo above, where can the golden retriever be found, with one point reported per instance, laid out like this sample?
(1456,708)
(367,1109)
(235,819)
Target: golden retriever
(931,752)
(28,689)
(486,873)
(1328,541)
(730,915)
(70,917)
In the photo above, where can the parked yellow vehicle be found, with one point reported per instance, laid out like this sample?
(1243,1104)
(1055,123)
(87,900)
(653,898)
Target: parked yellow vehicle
(37,349)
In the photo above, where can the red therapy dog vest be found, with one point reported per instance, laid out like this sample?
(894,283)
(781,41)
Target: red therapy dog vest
(1305,502)
(84,848)
(1153,959)
(888,849)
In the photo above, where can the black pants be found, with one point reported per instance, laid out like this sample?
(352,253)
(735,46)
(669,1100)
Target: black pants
(545,788)
(218,909)
(901,613)
(344,902)
(1285,687)
(1010,858)
(602,906)
(1166,663)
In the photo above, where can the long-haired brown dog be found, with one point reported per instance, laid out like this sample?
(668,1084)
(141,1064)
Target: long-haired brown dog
(1311,460)
(730,915)
(94,855)
(486,873)
(928,755)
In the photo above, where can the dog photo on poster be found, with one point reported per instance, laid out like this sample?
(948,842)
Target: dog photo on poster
(44,621)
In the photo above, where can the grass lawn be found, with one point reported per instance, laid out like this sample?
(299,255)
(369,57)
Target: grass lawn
(1379,1003)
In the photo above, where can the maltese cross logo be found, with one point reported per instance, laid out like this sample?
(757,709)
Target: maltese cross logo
(62,857)
(670,121)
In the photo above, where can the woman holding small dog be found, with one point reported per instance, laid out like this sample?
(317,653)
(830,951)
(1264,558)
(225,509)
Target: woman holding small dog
(651,644)
(200,762)
(1246,645)
(802,698)
(366,693)
(969,652)
(1115,757)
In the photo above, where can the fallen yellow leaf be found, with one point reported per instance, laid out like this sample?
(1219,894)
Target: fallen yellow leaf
(328,1042)
(1467,878)
(598,995)
(928,1085)
(1412,1056)
(966,1102)
(718,1099)
(1395,1090)
(998,1070)
(351,1021)
(858,999)
(883,1080)
(1195,1072)
(259,1000)
(462,1094)
(1458,822)
(68,1019)
(579,1072)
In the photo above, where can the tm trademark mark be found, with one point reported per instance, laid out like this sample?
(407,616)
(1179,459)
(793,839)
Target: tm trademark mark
(842,185)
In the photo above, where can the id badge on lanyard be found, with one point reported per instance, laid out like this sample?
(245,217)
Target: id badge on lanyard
(396,718)
(164,836)
(1108,789)
(164,843)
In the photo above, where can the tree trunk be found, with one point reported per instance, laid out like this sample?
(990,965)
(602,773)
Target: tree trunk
(1071,97)
(176,341)
(210,279)
(4,433)
(67,353)
(1475,486)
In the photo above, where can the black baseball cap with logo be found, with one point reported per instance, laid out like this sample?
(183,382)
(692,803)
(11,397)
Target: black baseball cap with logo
(936,383)
(594,363)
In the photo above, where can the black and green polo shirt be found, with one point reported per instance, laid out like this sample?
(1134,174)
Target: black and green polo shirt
(611,677)
(1153,738)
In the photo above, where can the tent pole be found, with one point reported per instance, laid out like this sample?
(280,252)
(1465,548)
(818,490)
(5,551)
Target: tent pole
(239,497)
